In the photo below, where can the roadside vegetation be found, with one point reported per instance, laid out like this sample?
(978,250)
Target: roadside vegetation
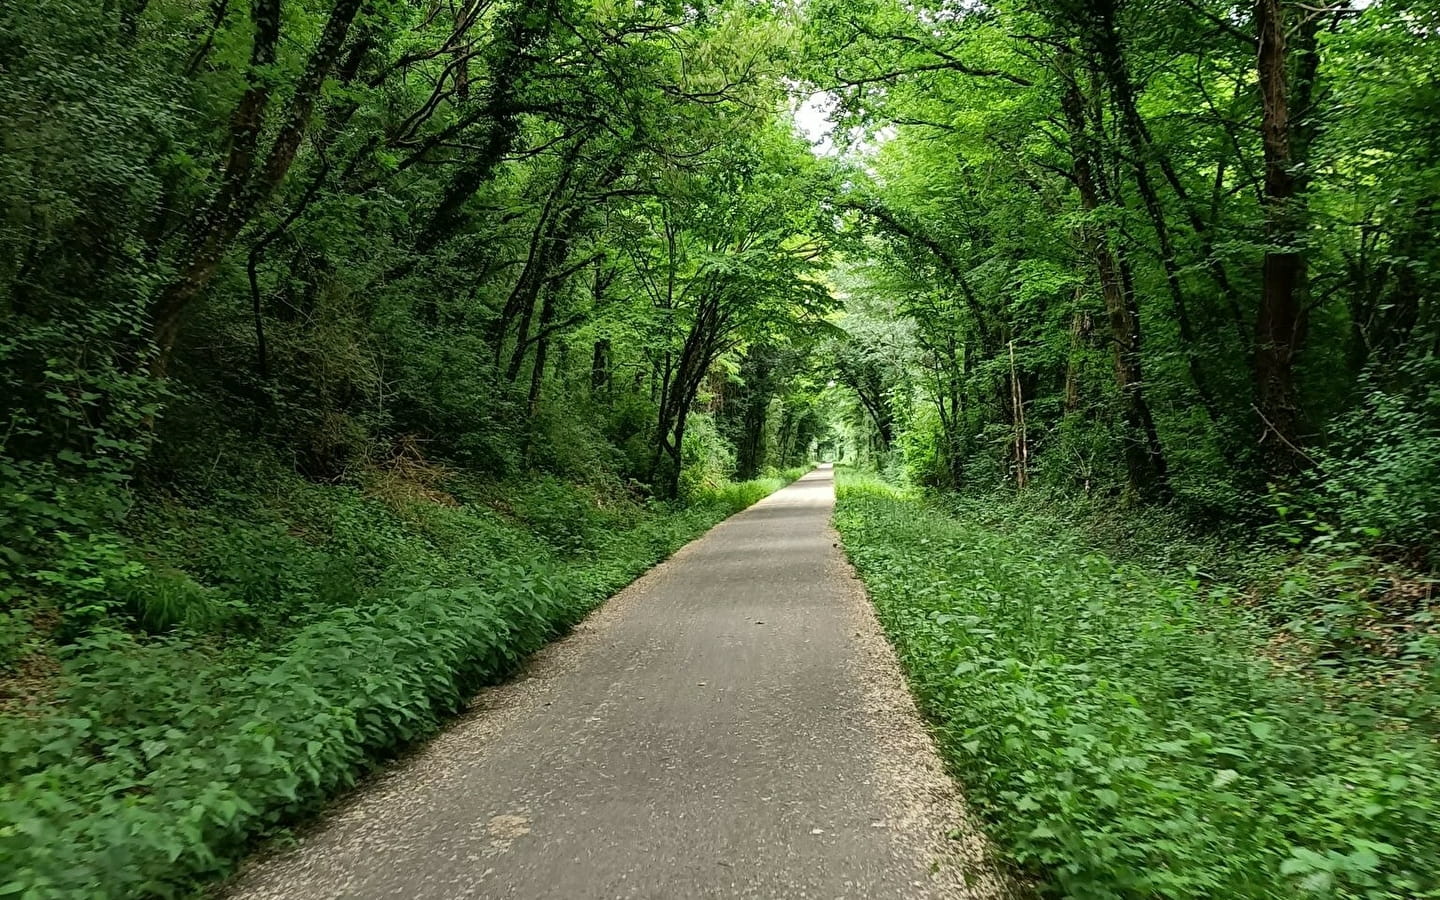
(1135,731)
(278,639)
(1141,313)
(349,352)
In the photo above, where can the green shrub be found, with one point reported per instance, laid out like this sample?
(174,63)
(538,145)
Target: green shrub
(731,497)
(1122,731)
(571,446)
(559,513)
(58,538)
(1381,477)
(707,458)
(163,601)
(16,633)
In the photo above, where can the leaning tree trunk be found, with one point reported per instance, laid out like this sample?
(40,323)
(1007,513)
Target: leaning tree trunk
(600,374)
(1145,464)
(524,32)
(1116,71)
(243,190)
(702,346)
(542,349)
(757,372)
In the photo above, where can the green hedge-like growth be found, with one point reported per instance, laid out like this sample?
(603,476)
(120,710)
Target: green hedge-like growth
(166,760)
(1122,731)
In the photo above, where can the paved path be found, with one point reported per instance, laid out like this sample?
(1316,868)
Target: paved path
(732,725)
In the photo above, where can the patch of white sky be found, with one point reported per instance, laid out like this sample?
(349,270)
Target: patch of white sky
(814,116)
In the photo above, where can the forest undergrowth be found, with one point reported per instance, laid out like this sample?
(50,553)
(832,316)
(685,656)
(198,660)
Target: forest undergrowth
(1130,725)
(276,637)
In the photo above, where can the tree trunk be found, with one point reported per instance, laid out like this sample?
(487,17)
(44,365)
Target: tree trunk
(702,346)
(1407,292)
(787,427)
(600,368)
(243,192)
(1113,64)
(1280,323)
(542,349)
(1108,48)
(1022,444)
(1144,460)
(756,371)
(1080,328)
(521,35)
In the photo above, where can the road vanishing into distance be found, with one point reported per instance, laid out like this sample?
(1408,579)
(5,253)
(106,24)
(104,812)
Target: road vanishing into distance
(733,724)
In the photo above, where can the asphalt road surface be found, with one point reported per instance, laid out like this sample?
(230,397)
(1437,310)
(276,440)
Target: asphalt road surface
(731,725)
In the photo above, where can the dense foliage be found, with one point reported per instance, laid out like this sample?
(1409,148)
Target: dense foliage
(361,345)
(1148,249)
(1129,733)
(283,668)
(350,350)
(1120,272)
(523,235)
(513,236)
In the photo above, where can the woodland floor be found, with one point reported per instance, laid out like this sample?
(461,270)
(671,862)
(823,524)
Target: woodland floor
(734,724)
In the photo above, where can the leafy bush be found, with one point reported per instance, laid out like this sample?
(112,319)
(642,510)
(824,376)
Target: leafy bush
(561,514)
(15,635)
(163,601)
(571,446)
(735,496)
(1122,730)
(255,746)
(1382,476)
(922,447)
(57,537)
(708,459)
